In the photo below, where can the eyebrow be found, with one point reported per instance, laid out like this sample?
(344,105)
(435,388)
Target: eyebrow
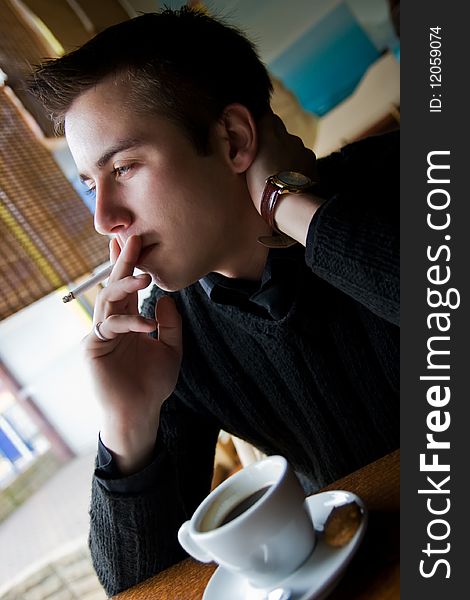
(120,146)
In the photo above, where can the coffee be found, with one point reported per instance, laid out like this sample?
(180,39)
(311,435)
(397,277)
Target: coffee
(243,506)
(268,534)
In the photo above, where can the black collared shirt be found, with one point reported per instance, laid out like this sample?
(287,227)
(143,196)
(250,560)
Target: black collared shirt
(272,295)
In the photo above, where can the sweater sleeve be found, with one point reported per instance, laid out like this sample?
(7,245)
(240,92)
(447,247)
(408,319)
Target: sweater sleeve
(353,239)
(133,535)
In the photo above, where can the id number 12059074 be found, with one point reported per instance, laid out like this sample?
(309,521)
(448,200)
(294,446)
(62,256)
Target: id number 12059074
(435,68)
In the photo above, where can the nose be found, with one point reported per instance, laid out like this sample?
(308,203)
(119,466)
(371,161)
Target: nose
(111,214)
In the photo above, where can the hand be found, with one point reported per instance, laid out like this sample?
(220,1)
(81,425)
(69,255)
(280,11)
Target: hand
(278,150)
(133,373)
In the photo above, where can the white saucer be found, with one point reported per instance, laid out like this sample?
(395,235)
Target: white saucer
(317,576)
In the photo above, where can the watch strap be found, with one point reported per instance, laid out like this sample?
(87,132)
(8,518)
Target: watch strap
(273,189)
(269,200)
(279,240)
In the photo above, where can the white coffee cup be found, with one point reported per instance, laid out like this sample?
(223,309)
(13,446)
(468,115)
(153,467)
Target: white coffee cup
(269,539)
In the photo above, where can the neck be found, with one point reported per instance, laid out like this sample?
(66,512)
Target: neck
(245,257)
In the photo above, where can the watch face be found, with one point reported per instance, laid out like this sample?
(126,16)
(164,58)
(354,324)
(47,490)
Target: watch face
(294,179)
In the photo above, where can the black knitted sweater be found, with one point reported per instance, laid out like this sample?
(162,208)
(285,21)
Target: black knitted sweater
(318,386)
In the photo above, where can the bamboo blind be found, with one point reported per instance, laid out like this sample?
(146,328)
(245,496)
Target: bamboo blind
(21,48)
(47,239)
(73,23)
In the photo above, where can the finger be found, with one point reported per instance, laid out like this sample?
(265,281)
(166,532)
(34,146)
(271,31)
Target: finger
(116,325)
(169,324)
(279,126)
(120,290)
(114,250)
(127,259)
(270,126)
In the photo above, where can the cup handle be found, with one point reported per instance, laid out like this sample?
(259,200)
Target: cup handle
(191,547)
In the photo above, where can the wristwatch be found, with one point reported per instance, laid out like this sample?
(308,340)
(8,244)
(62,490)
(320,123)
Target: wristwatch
(284,182)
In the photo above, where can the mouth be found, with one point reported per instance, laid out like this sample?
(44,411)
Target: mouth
(145,253)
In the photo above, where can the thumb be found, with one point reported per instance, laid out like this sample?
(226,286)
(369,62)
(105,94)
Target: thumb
(169,324)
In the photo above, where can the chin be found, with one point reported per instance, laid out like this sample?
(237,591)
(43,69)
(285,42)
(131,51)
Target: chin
(166,287)
(171,283)
(165,284)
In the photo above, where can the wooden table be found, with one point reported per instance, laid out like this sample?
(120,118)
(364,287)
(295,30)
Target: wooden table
(373,573)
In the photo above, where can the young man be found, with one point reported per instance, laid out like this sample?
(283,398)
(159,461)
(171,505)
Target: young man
(294,349)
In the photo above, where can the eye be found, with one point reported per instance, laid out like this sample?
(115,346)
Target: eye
(89,187)
(121,171)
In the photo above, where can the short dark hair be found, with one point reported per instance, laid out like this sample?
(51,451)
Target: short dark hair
(182,64)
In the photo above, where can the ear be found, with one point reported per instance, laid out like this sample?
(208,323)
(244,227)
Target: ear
(237,134)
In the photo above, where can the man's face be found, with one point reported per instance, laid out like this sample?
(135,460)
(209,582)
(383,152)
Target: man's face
(149,180)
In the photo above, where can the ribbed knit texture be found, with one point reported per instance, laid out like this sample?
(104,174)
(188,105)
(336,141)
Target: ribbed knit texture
(319,386)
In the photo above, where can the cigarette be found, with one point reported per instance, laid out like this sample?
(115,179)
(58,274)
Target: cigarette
(89,283)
